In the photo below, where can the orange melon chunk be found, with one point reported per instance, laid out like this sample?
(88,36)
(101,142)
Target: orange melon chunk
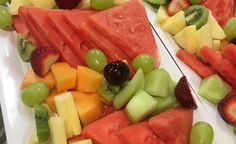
(88,80)
(31,77)
(64,75)
(89,106)
(51,102)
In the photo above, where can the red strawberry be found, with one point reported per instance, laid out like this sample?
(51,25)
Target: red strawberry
(227,108)
(176,6)
(42,59)
(183,94)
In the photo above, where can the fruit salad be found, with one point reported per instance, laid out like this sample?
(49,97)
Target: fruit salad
(95,75)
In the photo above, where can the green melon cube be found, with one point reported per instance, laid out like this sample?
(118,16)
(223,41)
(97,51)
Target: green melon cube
(213,89)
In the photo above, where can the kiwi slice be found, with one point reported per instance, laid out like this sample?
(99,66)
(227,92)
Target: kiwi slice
(107,91)
(196,15)
(41,118)
(24,47)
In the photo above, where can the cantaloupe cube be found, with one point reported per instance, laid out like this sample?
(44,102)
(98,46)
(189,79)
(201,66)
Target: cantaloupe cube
(51,102)
(64,75)
(31,77)
(89,106)
(88,80)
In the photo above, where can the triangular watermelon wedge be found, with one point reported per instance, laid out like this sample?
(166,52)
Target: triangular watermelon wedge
(173,126)
(127,27)
(38,17)
(57,20)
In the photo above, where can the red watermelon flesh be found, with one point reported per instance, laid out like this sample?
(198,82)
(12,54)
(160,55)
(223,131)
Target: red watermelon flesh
(127,27)
(40,40)
(173,126)
(139,134)
(38,17)
(73,20)
(222,10)
(56,19)
(20,27)
(105,130)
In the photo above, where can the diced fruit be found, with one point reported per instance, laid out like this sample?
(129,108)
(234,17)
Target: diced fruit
(89,107)
(41,118)
(234,128)
(50,102)
(43,3)
(84,4)
(173,126)
(57,129)
(5,18)
(175,23)
(34,138)
(27,2)
(187,39)
(67,109)
(42,59)
(204,36)
(216,31)
(88,80)
(201,133)
(195,2)
(183,94)
(96,60)
(162,15)
(176,6)
(64,76)
(143,61)
(216,44)
(195,64)
(196,15)
(230,52)
(102,4)
(14,6)
(227,108)
(157,2)
(140,106)
(138,134)
(31,77)
(223,43)
(4,2)
(120,2)
(219,63)
(108,91)
(116,73)
(105,130)
(24,47)
(67,4)
(35,93)
(229,29)
(88,141)
(123,97)
(157,82)
(213,89)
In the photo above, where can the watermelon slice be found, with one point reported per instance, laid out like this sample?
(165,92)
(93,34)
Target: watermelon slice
(230,52)
(20,27)
(127,27)
(105,130)
(38,17)
(139,134)
(56,20)
(173,126)
(41,41)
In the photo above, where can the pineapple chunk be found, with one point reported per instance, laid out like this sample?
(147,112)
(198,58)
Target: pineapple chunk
(204,36)
(216,44)
(187,39)
(161,15)
(43,3)
(87,141)
(84,4)
(120,2)
(14,6)
(175,23)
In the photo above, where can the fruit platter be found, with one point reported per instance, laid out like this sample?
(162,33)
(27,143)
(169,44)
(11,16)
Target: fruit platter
(117,72)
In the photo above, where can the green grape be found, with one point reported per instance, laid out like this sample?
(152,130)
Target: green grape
(4,2)
(102,4)
(5,18)
(143,61)
(201,133)
(96,60)
(229,29)
(35,93)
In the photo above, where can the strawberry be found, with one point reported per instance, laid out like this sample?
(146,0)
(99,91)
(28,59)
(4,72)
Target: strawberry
(227,108)
(176,6)
(42,59)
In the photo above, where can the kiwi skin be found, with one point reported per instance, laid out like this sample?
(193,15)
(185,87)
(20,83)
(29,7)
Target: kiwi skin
(24,47)
(196,15)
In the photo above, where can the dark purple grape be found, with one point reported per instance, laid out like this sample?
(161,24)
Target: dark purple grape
(116,73)
(67,4)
